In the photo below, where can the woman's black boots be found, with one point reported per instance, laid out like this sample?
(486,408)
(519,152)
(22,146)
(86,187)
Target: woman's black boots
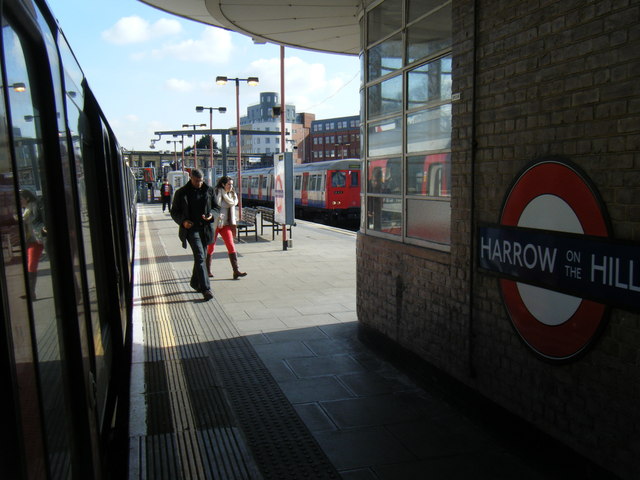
(233,258)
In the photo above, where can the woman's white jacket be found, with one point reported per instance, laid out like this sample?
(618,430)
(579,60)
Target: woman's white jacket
(227,202)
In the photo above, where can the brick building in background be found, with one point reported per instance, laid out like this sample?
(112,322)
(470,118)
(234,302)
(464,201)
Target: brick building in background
(334,139)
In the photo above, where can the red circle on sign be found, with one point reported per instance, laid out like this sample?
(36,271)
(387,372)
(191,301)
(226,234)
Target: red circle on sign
(560,179)
(279,199)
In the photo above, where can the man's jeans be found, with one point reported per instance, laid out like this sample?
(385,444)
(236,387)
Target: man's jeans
(199,277)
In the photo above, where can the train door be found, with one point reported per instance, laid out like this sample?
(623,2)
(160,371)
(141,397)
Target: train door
(304,193)
(336,187)
(354,189)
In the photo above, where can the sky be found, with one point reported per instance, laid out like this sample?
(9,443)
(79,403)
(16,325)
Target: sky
(149,70)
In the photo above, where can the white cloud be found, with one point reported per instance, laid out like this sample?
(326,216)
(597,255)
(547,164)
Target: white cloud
(177,85)
(214,46)
(308,85)
(135,29)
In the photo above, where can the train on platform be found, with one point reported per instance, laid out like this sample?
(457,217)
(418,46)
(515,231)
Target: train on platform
(328,190)
(67,228)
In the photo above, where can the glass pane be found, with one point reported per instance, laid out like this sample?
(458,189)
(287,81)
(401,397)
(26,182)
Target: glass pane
(384,176)
(385,57)
(385,97)
(23,67)
(385,137)
(429,83)
(429,129)
(429,35)
(417,8)
(383,20)
(429,220)
(429,175)
(384,214)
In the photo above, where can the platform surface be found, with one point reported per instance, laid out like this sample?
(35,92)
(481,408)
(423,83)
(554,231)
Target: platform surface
(269,379)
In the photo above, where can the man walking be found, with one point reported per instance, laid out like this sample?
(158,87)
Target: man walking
(194,208)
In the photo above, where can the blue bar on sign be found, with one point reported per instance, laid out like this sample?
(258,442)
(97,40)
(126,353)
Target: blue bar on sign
(595,268)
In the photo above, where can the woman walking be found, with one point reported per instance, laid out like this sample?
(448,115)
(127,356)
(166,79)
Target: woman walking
(227,199)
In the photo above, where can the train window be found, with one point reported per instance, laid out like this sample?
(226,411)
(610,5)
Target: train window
(339,179)
(298,182)
(23,68)
(355,179)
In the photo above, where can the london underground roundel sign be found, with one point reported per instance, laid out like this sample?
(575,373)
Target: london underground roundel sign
(552,254)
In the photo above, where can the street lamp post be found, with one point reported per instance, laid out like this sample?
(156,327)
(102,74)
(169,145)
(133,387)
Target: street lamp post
(211,109)
(252,81)
(195,148)
(182,145)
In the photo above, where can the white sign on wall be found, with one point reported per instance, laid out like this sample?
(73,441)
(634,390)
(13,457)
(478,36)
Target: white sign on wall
(283,188)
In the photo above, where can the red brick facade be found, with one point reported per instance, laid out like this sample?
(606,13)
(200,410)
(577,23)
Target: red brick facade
(535,79)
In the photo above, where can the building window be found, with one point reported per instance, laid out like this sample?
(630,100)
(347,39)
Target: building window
(407,122)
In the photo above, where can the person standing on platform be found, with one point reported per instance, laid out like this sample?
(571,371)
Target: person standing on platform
(166,190)
(194,208)
(227,198)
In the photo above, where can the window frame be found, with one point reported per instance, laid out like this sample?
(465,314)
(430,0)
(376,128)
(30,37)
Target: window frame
(370,85)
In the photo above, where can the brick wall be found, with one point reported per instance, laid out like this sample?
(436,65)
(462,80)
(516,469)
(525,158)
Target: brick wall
(550,78)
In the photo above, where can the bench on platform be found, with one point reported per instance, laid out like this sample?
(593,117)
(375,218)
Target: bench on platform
(248,223)
(267,220)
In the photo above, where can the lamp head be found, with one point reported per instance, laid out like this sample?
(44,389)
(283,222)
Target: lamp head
(253,81)
(222,109)
(185,125)
(19,87)
(221,80)
(199,108)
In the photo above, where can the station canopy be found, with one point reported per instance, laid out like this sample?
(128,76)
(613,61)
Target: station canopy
(325,26)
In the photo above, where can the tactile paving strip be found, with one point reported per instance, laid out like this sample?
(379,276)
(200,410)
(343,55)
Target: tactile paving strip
(280,442)
(213,408)
(191,433)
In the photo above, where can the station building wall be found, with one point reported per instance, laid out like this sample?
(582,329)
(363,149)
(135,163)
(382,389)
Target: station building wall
(535,80)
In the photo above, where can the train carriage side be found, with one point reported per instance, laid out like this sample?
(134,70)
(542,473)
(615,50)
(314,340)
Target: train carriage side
(330,190)
(67,226)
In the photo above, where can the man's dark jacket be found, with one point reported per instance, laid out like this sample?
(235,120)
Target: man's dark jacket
(180,213)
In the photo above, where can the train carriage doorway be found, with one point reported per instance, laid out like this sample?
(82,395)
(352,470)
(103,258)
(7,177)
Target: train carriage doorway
(304,194)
